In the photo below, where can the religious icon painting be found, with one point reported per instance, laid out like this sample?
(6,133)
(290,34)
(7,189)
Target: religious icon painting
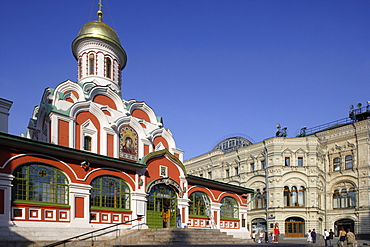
(163,171)
(128,143)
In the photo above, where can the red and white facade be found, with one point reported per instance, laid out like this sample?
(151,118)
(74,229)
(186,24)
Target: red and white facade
(84,132)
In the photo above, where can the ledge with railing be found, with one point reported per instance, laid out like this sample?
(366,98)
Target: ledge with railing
(92,234)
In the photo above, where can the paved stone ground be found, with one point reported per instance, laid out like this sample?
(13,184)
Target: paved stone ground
(289,242)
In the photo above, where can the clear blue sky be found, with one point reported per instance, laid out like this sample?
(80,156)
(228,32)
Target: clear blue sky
(210,68)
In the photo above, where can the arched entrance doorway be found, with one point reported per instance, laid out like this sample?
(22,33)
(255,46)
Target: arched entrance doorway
(259,225)
(294,227)
(161,207)
(345,224)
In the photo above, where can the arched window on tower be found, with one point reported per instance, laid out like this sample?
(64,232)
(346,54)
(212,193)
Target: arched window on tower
(91,64)
(79,68)
(108,67)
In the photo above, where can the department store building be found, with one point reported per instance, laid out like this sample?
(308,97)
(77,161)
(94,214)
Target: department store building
(316,180)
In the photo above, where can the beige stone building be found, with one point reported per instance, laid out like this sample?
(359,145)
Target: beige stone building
(319,179)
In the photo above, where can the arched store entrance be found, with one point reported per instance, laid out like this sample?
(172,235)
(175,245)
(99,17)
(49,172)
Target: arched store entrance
(294,227)
(345,224)
(259,225)
(161,207)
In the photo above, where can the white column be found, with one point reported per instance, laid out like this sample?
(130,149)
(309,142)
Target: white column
(183,205)
(216,207)
(139,209)
(6,186)
(80,191)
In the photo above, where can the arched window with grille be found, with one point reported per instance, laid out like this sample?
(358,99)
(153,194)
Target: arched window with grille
(336,164)
(294,197)
(229,208)
(110,192)
(343,198)
(258,200)
(40,183)
(301,196)
(286,196)
(349,163)
(197,204)
(352,198)
(336,199)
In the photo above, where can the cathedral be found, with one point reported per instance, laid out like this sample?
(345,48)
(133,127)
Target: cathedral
(90,159)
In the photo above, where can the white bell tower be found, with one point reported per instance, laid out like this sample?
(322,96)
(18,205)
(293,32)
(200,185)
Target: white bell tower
(99,54)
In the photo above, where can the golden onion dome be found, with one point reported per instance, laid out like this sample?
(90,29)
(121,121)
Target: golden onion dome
(99,30)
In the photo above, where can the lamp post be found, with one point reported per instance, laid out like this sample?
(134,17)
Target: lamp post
(266,184)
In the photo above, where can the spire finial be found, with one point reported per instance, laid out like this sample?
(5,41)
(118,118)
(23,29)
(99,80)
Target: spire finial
(100,12)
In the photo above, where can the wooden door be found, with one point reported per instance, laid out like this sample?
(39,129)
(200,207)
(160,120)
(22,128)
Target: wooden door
(294,229)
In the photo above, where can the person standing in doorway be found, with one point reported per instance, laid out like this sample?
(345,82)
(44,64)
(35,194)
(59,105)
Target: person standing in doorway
(309,237)
(331,237)
(261,237)
(325,235)
(276,233)
(342,236)
(313,235)
(253,236)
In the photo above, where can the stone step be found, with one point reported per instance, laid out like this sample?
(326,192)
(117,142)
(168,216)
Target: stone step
(173,236)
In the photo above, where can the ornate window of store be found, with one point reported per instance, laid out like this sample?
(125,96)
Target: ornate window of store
(252,167)
(263,164)
(227,171)
(236,171)
(344,199)
(229,208)
(40,183)
(260,200)
(300,161)
(110,192)
(348,162)
(287,161)
(197,205)
(294,197)
(336,164)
